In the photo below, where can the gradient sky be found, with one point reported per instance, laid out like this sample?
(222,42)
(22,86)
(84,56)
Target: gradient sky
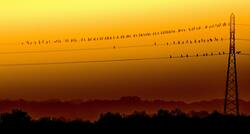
(179,79)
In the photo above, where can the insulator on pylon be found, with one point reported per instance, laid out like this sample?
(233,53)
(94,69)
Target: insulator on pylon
(238,52)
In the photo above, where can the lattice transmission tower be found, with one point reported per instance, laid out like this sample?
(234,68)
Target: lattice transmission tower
(231,102)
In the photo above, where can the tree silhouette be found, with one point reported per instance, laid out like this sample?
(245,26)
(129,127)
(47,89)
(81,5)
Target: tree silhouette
(15,119)
(163,121)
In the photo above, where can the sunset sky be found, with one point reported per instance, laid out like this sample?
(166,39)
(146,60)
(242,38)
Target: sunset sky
(189,79)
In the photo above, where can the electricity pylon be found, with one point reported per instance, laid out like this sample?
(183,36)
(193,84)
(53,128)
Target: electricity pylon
(231,102)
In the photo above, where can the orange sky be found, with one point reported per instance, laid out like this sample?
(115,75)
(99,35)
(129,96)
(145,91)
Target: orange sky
(180,79)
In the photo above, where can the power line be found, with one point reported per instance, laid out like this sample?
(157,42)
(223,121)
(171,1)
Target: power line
(243,25)
(243,39)
(50,51)
(125,36)
(128,35)
(113,60)
(167,43)
(81,49)
(245,54)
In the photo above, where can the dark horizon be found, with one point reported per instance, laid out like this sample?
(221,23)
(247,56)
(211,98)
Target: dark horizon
(91,109)
(160,121)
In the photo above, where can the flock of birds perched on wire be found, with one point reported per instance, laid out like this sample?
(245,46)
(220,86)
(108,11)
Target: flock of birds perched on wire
(125,36)
(128,36)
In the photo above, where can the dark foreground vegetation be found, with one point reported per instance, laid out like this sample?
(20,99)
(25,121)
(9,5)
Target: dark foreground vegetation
(163,120)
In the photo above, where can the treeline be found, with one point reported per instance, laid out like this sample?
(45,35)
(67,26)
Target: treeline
(163,120)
